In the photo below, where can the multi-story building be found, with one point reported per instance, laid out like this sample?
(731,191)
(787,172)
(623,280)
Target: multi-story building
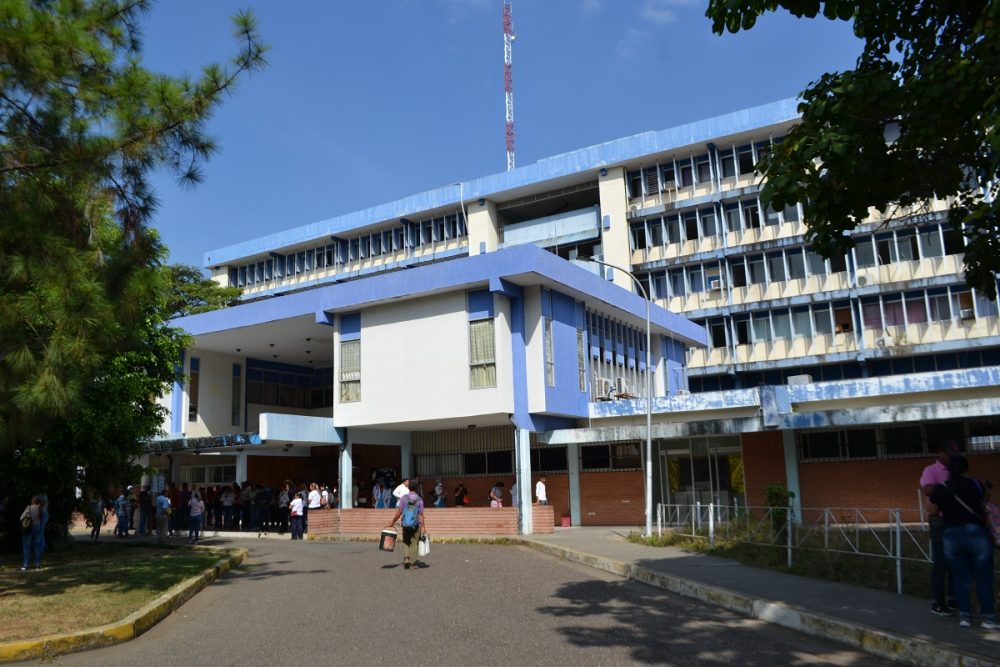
(462,334)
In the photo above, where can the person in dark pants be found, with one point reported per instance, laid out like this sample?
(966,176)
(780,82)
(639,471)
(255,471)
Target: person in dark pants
(934,474)
(968,546)
(295,513)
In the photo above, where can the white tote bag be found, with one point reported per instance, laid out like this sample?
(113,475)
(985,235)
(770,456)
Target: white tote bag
(424,547)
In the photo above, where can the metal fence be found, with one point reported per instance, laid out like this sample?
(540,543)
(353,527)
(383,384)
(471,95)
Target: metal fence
(871,532)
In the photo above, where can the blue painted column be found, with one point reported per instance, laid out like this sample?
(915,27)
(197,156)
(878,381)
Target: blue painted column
(573,465)
(792,471)
(346,476)
(522,451)
(241,467)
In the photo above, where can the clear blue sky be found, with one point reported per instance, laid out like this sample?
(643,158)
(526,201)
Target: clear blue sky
(367,102)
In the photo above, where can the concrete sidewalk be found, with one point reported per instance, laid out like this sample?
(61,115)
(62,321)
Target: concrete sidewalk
(897,627)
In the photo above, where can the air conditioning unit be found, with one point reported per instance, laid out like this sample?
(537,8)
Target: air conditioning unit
(604,388)
(683,392)
(804,378)
(862,281)
(622,386)
(715,284)
(967,314)
(668,186)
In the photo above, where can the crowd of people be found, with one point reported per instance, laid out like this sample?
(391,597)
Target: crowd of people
(177,509)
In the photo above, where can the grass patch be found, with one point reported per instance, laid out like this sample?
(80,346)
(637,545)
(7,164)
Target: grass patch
(89,585)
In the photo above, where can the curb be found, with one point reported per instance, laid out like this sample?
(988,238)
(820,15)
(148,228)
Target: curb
(126,629)
(906,650)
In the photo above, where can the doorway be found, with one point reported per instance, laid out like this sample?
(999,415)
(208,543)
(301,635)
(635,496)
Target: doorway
(700,471)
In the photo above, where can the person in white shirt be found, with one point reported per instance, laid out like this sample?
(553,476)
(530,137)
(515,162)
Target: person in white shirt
(324,498)
(295,511)
(540,492)
(400,491)
(315,499)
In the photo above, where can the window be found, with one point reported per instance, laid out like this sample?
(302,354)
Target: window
(691,226)
(776,266)
(728,163)
(940,308)
(902,440)
(744,158)
(581,359)
(193,390)
(652,178)
(237,395)
(796,265)
(550,362)
(930,242)
(756,265)
(738,271)
(548,459)
(703,169)
(350,371)
(614,456)
(732,212)
(639,236)
(871,313)
(817,265)
(708,226)
(791,213)
(482,354)
(916,308)
(751,214)
(782,324)
(822,323)
(761,327)
(687,173)
(654,233)
(801,320)
(673,229)
(954,243)
(635,184)
(864,253)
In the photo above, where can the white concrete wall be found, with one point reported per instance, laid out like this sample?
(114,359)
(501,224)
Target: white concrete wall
(215,394)
(415,364)
(254,411)
(484,226)
(615,240)
(534,348)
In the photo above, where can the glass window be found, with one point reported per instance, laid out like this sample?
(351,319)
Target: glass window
(861,443)
(696,278)
(193,386)
(742,327)
(916,308)
(350,371)
(673,228)
(638,236)
(902,440)
(791,213)
(687,173)
(816,263)
(667,177)
(708,226)
(635,184)
(550,362)
(732,212)
(822,322)
(677,287)
(906,242)
(751,214)
(796,264)
(838,263)
(871,313)
(776,266)
(482,354)
(954,243)
(985,307)
(652,176)
(782,323)
(659,284)
(864,252)
(581,359)
(728,163)
(704,170)
(654,233)
(885,246)
(940,307)
(744,156)
(771,216)
(756,265)
(892,307)
(761,327)
(930,242)
(802,321)
(691,226)
(843,317)
(821,445)
(738,271)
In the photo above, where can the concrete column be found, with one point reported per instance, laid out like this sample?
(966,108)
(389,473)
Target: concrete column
(484,227)
(792,471)
(347,476)
(174,474)
(241,467)
(614,225)
(573,465)
(405,460)
(522,455)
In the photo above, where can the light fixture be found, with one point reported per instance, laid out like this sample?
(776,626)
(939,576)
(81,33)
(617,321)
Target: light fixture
(274,356)
(239,349)
(308,339)
(271,344)
(482,202)
(288,446)
(309,351)
(603,172)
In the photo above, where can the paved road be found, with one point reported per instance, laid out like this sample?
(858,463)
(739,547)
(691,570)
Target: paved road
(312,603)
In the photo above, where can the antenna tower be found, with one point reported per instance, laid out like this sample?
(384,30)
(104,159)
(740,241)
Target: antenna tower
(508,81)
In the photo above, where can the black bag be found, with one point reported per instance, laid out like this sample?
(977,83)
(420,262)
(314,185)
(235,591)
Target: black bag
(26,525)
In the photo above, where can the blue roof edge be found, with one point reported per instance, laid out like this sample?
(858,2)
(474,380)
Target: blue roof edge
(556,166)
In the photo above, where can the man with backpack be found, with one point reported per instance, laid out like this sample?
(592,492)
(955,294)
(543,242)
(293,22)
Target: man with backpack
(411,513)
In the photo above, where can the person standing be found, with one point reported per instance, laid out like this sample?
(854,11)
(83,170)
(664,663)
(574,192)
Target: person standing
(968,546)
(410,513)
(314,499)
(540,491)
(283,499)
(400,491)
(934,474)
(461,495)
(31,533)
(162,515)
(496,496)
(96,515)
(121,514)
(295,513)
(143,511)
(438,494)
(196,509)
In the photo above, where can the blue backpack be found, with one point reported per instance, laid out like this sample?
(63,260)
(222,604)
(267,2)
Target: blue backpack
(411,517)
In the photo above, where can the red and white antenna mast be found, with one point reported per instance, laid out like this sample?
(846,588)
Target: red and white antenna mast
(508,81)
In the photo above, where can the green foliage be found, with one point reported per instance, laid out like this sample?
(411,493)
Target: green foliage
(191,292)
(84,352)
(778,498)
(929,70)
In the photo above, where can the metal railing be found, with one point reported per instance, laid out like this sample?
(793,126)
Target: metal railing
(869,532)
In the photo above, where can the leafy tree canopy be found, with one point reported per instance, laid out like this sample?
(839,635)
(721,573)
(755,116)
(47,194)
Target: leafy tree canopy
(917,118)
(191,292)
(84,352)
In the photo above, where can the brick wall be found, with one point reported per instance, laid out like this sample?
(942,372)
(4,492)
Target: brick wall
(556,489)
(613,498)
(443,522)
(887,483)
(763,464)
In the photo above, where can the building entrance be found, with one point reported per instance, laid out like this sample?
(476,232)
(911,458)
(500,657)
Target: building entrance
(702,471)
